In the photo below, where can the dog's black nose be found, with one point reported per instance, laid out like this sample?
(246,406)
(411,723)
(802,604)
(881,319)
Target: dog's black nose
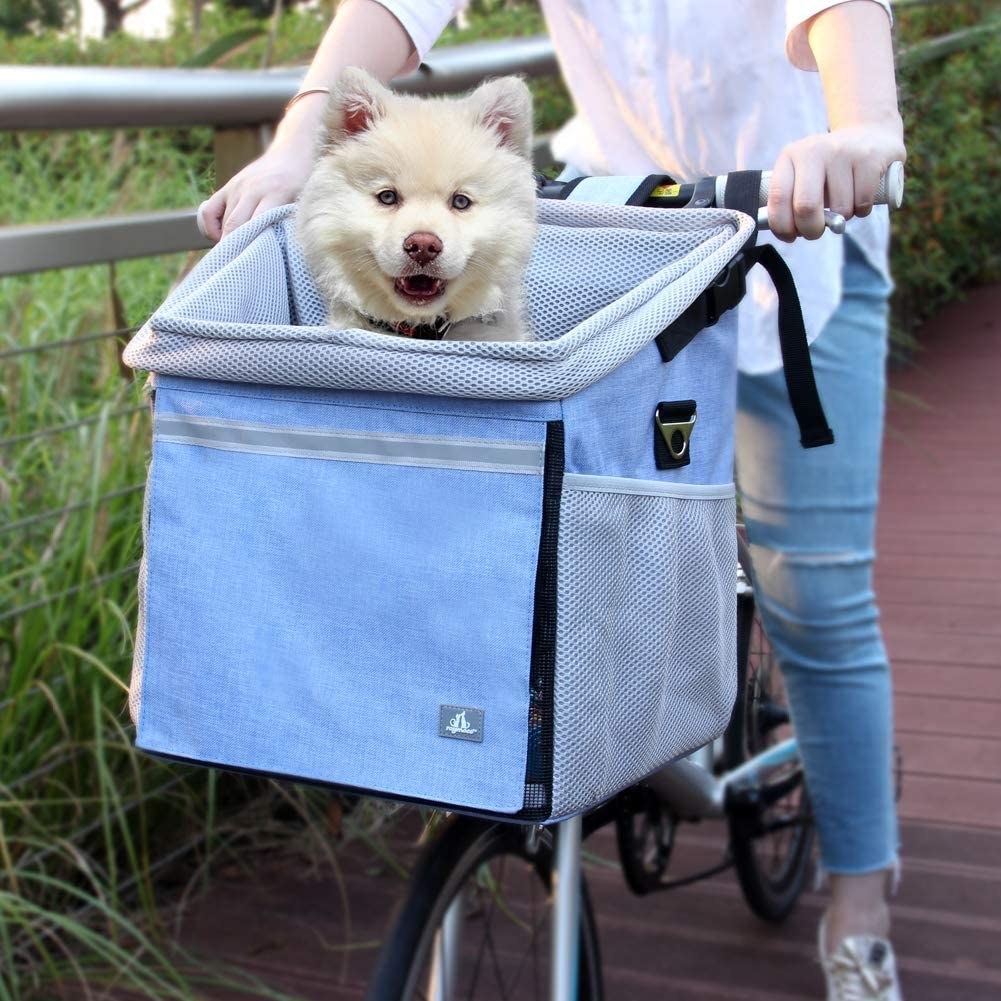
(422,247)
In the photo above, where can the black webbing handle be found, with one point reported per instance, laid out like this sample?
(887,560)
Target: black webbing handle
(743,192)
(796,364)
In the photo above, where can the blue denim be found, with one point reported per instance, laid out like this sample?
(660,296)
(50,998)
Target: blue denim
(810,518)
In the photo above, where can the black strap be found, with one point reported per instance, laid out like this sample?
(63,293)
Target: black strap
(722,295)
(743,193)
(546,188)
(647,186)
(796,364)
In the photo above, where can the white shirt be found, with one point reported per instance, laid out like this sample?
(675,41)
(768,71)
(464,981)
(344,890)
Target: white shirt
(663,86)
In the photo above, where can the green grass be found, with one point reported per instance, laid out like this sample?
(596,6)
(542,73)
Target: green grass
(89,829)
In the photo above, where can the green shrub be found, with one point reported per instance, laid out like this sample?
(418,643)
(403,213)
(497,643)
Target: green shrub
(18,17)
(944,239)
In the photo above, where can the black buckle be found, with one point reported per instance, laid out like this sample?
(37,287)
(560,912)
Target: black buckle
(727,290)
(722,295)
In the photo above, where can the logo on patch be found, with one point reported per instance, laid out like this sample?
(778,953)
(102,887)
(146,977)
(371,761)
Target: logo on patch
(461,722)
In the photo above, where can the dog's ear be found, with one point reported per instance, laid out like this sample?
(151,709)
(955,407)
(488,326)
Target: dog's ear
(505,106)
(356,101)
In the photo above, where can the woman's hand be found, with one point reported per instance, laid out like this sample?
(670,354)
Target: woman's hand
(363,33)
(274,178)
(840,170)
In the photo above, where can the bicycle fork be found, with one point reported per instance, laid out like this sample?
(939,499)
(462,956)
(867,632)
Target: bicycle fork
(565,938)
(565,924)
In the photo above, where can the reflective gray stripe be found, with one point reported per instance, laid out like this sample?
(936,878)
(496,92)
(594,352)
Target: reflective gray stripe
(647,488)
(352,446)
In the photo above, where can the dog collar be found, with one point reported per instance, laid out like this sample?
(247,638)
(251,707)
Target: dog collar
(433,331)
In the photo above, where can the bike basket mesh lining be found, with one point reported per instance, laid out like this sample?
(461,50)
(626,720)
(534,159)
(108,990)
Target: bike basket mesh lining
(646,657)
(603,282)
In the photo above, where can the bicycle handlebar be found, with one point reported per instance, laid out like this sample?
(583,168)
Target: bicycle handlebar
(890,191)
(710,192)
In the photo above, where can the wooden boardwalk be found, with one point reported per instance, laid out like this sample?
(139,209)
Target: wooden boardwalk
(939,587)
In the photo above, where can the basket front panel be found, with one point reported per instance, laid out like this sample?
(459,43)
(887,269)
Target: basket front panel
(328,591)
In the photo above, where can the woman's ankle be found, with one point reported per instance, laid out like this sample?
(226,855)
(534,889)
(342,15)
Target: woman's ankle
(858,906)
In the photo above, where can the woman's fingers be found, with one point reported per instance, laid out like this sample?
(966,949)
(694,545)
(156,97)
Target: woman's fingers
(838,170)
(867,177)
(239,210)
(780,191)
(274,179)
(796,196)
(839,188)
(210,214)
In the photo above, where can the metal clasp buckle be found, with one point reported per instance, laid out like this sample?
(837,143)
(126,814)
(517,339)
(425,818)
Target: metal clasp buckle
(675,429)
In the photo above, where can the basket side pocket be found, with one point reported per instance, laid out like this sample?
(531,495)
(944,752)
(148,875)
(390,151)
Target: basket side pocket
(646,641)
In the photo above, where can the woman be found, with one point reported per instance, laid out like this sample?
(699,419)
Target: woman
(692,88)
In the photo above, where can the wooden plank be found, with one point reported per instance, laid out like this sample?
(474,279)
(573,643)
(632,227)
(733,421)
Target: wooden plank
(955,504)
(964,801)
(941,568)
(969,544)
(973,620)
(948,681)
(946,648)
(944,756)
(954,717)
(921,590)
(952,845)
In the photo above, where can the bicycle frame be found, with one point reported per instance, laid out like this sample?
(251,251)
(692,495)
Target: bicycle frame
(687,786)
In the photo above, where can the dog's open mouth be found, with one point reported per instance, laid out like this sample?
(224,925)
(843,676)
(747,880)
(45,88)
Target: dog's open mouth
(419,289)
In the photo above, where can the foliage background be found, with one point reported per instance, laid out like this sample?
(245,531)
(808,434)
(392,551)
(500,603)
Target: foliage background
(96,843)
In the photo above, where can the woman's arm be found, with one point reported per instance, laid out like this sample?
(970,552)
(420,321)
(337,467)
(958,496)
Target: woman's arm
(363,33)
(851,45)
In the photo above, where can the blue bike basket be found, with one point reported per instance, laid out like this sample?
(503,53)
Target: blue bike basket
(497,577)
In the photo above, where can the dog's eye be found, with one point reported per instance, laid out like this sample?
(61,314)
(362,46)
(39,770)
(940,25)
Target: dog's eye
(388,197)
(461,202)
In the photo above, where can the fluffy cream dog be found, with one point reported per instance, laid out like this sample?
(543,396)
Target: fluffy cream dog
(419,217)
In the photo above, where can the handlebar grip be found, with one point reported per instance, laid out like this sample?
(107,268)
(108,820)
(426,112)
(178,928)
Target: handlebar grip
(890,191)
(891,186)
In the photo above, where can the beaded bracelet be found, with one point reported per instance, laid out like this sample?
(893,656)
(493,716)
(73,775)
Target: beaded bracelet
(306,93)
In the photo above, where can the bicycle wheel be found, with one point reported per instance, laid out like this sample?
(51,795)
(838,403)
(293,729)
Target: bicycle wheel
(480,880)
(771,842)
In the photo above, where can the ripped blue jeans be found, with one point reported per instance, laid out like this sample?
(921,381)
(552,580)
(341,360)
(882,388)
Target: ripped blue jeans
(811,518)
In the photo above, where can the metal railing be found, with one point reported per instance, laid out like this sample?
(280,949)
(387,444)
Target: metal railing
(240,105)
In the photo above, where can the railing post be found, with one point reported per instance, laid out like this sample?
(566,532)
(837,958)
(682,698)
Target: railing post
(236,147)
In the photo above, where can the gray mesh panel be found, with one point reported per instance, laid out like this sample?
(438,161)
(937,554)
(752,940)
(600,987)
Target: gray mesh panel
(646,639)
(603,282)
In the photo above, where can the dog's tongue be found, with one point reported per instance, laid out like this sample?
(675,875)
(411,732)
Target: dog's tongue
(420,286)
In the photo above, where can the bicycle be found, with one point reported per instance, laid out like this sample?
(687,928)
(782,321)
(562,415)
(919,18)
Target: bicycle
(468,881)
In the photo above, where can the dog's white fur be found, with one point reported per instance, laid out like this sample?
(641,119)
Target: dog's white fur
(427,151)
